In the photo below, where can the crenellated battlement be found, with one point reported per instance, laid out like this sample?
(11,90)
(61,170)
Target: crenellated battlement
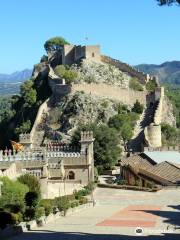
(86,136)
(164,148)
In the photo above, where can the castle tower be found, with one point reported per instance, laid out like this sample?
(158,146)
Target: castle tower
(25,140)
(87,149)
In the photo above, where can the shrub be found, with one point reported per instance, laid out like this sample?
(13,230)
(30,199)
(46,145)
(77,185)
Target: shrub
(48,206)
(151,85)
(83,200)
(29,214)
(39,212)
(63,204)
(137,108)
(13,192)
(55,43)
(135,85)
(68,74)
(31,181)
(32,199)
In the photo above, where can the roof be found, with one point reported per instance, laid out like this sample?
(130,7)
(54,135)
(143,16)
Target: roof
(164,171)
(161,156)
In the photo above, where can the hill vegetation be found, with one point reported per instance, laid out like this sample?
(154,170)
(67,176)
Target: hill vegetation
(168,72)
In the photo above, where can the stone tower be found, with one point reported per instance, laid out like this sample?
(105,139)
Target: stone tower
(87,149)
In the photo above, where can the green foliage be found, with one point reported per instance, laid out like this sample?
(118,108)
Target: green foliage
(137,108)
(106,149)
(151,85)
(39,212)
(95,174)
(24,128)
(126,132)
(63,204)
(31,181)
(44,58)
(135,85)
(170,135)
(174,96)
(32,199)
(68,74)
(47,204)
(13,192)
(55,43)
(168,2)
(28,93)
(29,214)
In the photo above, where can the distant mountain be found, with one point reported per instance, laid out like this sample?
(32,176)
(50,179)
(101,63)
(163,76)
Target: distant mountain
(19,76)
(10,83)
(168,72)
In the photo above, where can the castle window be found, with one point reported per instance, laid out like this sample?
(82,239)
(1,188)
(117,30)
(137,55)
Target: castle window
(71,175)
(93,55)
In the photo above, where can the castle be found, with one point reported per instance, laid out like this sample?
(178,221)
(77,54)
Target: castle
(60,169)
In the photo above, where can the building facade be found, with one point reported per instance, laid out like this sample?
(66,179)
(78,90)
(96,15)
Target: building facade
(60,169)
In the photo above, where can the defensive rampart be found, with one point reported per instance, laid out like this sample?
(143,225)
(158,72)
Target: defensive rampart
(152,132)
(126,96)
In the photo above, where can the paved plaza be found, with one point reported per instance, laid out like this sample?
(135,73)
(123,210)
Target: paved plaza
(117,215)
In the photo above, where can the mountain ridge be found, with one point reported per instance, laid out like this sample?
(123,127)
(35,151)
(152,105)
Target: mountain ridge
(167,72)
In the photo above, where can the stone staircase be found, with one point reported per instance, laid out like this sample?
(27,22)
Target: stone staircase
(147,117)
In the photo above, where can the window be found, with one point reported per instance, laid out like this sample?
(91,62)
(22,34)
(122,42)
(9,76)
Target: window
(93,54)
(71,175)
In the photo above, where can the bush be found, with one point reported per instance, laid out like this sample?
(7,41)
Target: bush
(135,85)
(31,181)
(151,85)
(55,43)
(39,212)
(32,199)
(137,108)
(83,200)
(63,204)
(47,204)
(13,192)
(68,74)
(29,214)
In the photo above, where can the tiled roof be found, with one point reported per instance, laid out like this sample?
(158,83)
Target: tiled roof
(163,171)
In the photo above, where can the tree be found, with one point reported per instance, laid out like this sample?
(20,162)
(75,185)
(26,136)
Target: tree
(28,93)
(13,192)
(106,149)
(55,43)
(68,74)
(31,181)
(168,2)
(23,128)
(31,199)
(126,132)
(137,108)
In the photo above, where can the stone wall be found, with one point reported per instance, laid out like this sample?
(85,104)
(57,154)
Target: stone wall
(54,188)
(126,96)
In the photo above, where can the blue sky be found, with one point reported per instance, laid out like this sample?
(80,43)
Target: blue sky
(134,31)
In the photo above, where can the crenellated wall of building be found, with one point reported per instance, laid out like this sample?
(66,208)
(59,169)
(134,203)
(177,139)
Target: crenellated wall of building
(53,165)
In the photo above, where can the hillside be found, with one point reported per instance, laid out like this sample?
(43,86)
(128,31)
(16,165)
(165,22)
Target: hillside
(167,72)
(10,83)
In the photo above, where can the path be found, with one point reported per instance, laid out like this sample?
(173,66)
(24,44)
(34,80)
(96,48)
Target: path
(116,216)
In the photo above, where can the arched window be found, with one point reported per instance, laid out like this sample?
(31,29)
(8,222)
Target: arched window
(71,175)
(93,55)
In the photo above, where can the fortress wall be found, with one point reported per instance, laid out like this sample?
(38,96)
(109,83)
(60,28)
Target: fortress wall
(153,135)
(159,95)
(126,96)
(43,108)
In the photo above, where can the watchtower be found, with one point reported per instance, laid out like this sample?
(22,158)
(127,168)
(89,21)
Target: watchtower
(87,149)
(25,140)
